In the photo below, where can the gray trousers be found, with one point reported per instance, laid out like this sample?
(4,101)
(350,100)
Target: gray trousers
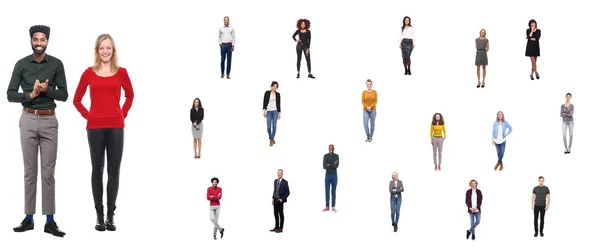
(39,133)
(438,144)
(567,125)
(214,218)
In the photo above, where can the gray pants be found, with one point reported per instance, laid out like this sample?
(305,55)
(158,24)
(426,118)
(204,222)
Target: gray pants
(214,218)
(567,125)
(438,144)
(39,133)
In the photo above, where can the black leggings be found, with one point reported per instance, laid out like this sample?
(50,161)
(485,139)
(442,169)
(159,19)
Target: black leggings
(301,49)
(109,141)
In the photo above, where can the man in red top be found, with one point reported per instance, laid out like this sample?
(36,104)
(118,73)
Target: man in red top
(214,194)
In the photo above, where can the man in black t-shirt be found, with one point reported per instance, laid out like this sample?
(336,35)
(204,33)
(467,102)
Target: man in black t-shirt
(540,195)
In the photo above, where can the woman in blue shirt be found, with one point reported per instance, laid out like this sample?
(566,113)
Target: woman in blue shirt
(500,131)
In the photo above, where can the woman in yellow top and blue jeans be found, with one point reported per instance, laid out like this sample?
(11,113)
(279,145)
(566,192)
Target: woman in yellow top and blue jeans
(369,101)
(437,134)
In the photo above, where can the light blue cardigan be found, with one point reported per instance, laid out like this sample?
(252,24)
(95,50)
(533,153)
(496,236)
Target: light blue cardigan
(505,126)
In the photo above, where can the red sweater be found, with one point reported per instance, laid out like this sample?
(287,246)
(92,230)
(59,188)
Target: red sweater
(216,194)
(105,98)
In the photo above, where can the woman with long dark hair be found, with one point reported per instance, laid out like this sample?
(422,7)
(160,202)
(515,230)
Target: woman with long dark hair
(303,44)
(272,110)
(105,123)
(407,43)
(196,117)
(533,47)
(437,134)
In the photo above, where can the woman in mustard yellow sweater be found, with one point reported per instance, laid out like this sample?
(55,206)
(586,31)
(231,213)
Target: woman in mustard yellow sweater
(369,101)
(437,135)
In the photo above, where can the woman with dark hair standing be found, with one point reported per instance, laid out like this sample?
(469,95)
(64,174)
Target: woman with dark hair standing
(500,131)
(272,110)
(407,43)
(533,46)
(566,112)
(303,44)
(482,44)
(196,117)
(105,123)
(437,134)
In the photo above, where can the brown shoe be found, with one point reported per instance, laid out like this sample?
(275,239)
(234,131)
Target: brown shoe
(228,77)
(271,142)
(501,166)
(274,229)
(496,167)
(395,228)
(279,230)
(222,75)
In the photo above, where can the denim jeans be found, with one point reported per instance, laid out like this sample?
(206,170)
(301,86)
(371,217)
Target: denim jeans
(500,149)
(226,54)
(272,123)
(395,203)
(330,186)
(369,116)
(475,219)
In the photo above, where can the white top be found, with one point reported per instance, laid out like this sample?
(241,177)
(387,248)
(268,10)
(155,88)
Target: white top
(500,135)
(408,34)
(474,199)
(227,35)
(272,106)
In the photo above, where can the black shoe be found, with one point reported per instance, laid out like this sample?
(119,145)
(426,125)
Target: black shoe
(52,228)
(298,75)
(468,234)
(531,76)
(25,225)
(405,71)
(222,231)
(215,237)
(409,73)
(100,226)
(473,237)
(542,234)
(535,235)
(311,76)
(110,220)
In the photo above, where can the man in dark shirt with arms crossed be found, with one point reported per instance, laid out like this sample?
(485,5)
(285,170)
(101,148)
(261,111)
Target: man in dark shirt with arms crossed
(42,79)
(331,161)
(540,194)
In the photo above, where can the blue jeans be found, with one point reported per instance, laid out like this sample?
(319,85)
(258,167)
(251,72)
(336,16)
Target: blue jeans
(475,218)
(330,186)
(369,115)
(500,149)
(272,123)
(226,54)
(395,204)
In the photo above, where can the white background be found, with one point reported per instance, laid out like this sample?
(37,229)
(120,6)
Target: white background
(170,50)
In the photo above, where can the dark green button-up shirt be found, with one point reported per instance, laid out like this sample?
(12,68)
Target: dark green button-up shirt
(26,71)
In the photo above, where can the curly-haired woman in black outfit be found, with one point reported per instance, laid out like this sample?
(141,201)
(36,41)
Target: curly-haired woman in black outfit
(303,44)
(196,117)
(533,47)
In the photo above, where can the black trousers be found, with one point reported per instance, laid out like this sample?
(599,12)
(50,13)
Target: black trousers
(278,211)
(539,212)
(301,49)
(109,141)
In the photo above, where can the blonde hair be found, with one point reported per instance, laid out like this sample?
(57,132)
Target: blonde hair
(114,60)
(484,32)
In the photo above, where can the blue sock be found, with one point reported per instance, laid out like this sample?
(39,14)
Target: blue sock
(29,216)
(49,218)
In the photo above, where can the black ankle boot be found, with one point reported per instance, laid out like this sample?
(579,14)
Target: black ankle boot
(110,220)
(405,71)
(409,73)
(100,226)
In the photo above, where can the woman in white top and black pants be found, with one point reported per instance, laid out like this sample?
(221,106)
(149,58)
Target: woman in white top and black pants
(272,110)
(407,43)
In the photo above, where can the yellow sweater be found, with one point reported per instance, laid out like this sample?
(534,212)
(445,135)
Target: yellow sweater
(369,99)
(437,130)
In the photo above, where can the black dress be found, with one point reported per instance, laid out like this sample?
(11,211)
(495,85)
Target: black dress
(533,47)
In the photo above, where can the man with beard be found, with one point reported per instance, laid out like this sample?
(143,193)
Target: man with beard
(42,79)
(227,45)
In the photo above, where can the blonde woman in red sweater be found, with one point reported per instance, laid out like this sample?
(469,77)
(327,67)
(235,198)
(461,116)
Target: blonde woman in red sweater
(105,122)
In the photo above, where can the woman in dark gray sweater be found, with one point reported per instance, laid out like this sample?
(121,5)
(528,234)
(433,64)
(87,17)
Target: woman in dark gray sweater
(396,189)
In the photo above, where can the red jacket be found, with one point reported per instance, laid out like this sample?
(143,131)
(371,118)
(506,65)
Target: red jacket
(214,195)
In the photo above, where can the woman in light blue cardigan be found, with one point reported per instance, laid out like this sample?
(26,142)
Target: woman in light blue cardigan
(500,131)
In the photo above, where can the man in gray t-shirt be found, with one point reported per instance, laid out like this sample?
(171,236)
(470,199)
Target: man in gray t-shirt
(540,201)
